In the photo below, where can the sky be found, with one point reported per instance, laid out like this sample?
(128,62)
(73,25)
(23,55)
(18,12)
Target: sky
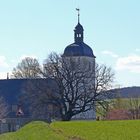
(35,28)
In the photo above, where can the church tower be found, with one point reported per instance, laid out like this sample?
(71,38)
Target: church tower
(80,52)
(79,48)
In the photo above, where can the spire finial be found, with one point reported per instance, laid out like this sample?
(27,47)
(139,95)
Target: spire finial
(78,10)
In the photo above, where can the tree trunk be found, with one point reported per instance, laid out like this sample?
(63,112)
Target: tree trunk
(67,117)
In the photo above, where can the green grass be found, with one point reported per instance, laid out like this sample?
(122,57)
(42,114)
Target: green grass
(78,130)
(33,131)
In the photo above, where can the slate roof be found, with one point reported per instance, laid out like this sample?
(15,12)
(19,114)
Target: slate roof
(78,49)
(11,90)
(79,27)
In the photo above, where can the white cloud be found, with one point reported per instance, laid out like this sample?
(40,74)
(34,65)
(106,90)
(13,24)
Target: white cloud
(130,63)
(110,53)
(3,62)
(3,75)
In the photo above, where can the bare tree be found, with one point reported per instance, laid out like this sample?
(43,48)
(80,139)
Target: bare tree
(78,89)
(134,107)
(27,68)
(3,108)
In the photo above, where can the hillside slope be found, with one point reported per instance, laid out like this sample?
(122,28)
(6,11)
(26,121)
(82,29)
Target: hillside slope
(130,92)
(126,92)
(77,130)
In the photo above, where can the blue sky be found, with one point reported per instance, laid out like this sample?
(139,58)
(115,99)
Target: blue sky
(38,27)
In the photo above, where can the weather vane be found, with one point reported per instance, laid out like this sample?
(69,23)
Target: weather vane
(78,10)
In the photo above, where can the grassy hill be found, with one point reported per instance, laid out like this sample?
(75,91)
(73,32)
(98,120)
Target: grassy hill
(77,130)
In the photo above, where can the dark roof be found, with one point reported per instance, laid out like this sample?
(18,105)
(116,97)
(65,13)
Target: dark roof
(79,27)
(12,89)
(78,49)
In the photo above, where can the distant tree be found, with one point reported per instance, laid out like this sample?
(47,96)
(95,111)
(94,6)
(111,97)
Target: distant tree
(103,109)
(27,68)
(116,104)
(3,108)
(128,108)
(134,107)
